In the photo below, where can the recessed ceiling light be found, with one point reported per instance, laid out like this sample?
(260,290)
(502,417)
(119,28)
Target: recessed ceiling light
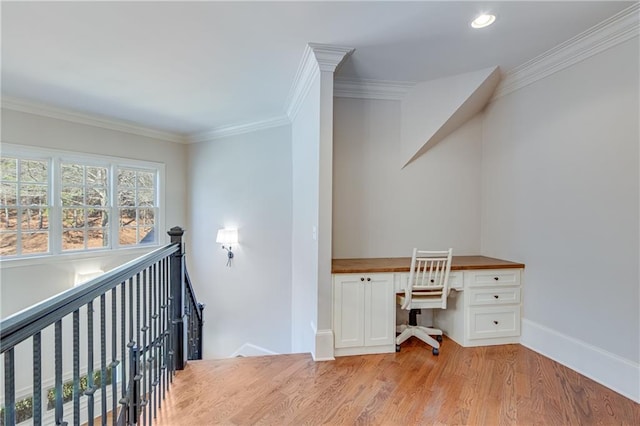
(483,20)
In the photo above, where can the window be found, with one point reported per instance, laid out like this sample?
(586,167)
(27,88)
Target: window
(136,206)
(54,202)
(84,197)
(24,194)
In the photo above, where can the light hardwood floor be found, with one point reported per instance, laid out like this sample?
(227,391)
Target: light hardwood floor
(499,385)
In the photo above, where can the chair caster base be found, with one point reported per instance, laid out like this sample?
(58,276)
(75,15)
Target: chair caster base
(439,338)
(435,351)
(397,348)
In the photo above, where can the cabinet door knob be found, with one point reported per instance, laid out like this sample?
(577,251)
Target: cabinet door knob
(496,278)
(368,279)
(433,281)
(361,278)
(495,322)
(496,296)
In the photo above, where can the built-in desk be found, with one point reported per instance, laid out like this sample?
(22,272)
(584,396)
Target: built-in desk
(484,310)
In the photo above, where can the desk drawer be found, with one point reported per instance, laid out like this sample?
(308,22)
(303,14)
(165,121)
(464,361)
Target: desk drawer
(488,322)
(493,278)
(455,281)
(493,296)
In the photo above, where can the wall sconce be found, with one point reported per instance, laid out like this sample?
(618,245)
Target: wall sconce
(227,237)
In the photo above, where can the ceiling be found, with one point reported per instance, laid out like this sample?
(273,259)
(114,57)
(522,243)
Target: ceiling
(193,67)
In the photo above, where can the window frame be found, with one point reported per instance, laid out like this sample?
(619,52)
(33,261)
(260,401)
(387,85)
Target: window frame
(55,160)
(20,208)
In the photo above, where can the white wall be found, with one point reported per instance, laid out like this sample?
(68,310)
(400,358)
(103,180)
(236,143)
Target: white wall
(305,140)
(22,286)
(242,182)
(381,210)
(561,194)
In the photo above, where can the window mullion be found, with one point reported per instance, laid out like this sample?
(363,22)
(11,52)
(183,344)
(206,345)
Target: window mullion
(113,196)
(19,208)
(55,219)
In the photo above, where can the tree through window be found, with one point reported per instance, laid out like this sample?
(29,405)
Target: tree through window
(136,206)
(24,198)
(53,202)
(84,197)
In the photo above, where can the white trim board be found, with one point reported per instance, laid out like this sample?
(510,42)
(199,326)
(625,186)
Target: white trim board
(618,374)
(617,29)
(29,107)
(324,345)
(249,349)
(371,89)
(238,129)
(315,58)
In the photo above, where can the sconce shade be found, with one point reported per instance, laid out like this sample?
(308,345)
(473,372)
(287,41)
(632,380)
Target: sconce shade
(227,236)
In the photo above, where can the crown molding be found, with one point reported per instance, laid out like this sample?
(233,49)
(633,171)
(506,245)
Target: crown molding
(305,75)
(371,89)
(329,56)
(238,129)
(43,110)
(608,33)
(315,58)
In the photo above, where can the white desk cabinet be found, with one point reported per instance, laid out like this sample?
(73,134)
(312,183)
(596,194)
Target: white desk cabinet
(487,311)
(363,313)
(484,308)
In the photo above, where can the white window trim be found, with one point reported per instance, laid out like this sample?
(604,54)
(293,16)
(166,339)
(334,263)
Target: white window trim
(55,232)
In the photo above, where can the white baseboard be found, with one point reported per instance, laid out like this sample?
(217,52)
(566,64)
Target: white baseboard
(618,374)
(324,346)
(249,349)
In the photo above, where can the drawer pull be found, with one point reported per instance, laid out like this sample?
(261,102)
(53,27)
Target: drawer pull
(361,278)
(368,279)
(496,278)
(495,322)
(433,281)
(496,296)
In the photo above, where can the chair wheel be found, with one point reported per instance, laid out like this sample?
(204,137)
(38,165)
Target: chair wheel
(397,348)
(439,338)
(435,351)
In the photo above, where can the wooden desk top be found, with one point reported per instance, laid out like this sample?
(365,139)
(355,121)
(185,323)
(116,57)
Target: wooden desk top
(402,264)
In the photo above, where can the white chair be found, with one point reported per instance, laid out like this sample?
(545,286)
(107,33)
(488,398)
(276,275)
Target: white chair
(427,288)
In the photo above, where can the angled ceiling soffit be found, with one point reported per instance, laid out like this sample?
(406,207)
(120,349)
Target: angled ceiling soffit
(434,109)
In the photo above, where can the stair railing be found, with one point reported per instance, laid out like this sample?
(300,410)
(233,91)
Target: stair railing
(194,313)
(130,354)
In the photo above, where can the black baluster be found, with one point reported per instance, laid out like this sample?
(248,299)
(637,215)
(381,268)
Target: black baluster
(37,379)
(76,367)
(58,373)
(103,357)
(90,385)
(9,388)
(114,356)
(145,332)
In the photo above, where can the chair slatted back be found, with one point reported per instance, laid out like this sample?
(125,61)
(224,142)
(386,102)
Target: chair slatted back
(429,274)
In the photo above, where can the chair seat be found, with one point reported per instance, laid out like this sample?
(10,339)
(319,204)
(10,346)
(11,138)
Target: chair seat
(422,300)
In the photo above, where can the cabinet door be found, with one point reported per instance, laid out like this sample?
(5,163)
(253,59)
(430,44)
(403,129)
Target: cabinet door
(379,310)
(348,310)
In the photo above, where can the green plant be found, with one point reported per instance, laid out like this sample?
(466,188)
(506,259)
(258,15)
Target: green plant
(67,387)
(24,407)
(24,410)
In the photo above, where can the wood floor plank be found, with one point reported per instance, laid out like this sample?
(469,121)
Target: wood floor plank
(500,385)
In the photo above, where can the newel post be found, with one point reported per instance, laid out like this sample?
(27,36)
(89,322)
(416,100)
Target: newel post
(176,283)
